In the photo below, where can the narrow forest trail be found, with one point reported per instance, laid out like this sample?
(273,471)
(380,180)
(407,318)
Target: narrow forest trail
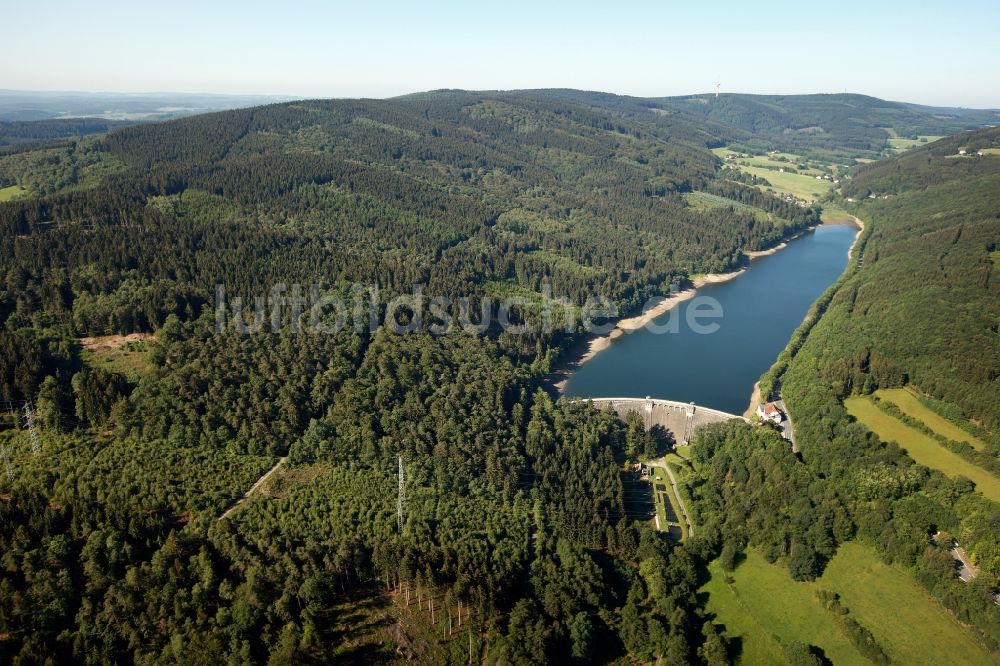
(254,488)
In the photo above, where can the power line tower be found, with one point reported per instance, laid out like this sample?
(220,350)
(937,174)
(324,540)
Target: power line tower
(401,496)
(29,423)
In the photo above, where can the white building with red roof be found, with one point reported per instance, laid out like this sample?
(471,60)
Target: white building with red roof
(770,412)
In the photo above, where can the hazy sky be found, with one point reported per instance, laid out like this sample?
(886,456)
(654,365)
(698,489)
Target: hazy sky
(945,53)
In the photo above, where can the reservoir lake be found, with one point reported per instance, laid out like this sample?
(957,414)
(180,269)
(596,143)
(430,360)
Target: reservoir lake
(760,310)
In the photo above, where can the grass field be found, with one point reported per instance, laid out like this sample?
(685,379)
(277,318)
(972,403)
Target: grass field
(910,625)
(769,161)
(995,257)
(681,452)
(900,145)
(8,193)
(911,406)
(764,608)
(799,186)
(922,448)
(834,214)
(802,185)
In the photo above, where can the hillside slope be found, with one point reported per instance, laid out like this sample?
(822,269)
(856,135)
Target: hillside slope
(516,524)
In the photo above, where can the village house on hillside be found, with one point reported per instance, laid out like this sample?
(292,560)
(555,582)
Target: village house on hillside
(770,412)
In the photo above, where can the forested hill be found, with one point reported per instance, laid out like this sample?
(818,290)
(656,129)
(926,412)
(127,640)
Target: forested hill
(823,126)
(28,134)
(481,191)
(948,160)
(914,321)
(925,307)
(515,511)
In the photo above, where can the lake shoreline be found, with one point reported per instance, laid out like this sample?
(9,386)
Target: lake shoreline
(593,344)
(852,220)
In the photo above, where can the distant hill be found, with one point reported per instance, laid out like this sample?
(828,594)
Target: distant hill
(24,105)
(836,127)
(826,126)
(831,125)
(31,133)
(938,162)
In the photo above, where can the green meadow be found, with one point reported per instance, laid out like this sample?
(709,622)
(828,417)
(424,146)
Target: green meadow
(763,609)
(900,145)
(798,185)
(911,406)
(922,448)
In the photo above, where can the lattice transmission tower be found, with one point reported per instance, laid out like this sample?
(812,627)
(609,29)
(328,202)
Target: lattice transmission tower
(29,423)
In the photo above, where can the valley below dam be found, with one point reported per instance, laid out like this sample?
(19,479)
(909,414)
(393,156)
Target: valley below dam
(760,309)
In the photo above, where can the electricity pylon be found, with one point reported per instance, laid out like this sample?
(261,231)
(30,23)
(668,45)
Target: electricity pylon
(29,421)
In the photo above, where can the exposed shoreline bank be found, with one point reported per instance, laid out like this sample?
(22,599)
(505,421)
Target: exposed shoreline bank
(594,344)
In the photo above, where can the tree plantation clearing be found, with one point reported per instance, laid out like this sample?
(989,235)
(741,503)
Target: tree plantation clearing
(766,609)
(706,201)
(105,342)
(920,447)
(127,354)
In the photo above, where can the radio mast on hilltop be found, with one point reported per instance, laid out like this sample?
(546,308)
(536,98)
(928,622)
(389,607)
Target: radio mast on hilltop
(718,84)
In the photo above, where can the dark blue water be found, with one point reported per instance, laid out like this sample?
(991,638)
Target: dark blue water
(760,310)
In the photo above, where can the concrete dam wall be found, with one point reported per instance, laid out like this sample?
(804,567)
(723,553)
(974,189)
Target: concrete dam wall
(680,418)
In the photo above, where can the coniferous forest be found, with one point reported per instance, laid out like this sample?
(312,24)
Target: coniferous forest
(520,539)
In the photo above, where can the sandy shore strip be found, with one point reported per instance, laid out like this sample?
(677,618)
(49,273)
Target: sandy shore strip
(754,401)
(861,230)
(593,345)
